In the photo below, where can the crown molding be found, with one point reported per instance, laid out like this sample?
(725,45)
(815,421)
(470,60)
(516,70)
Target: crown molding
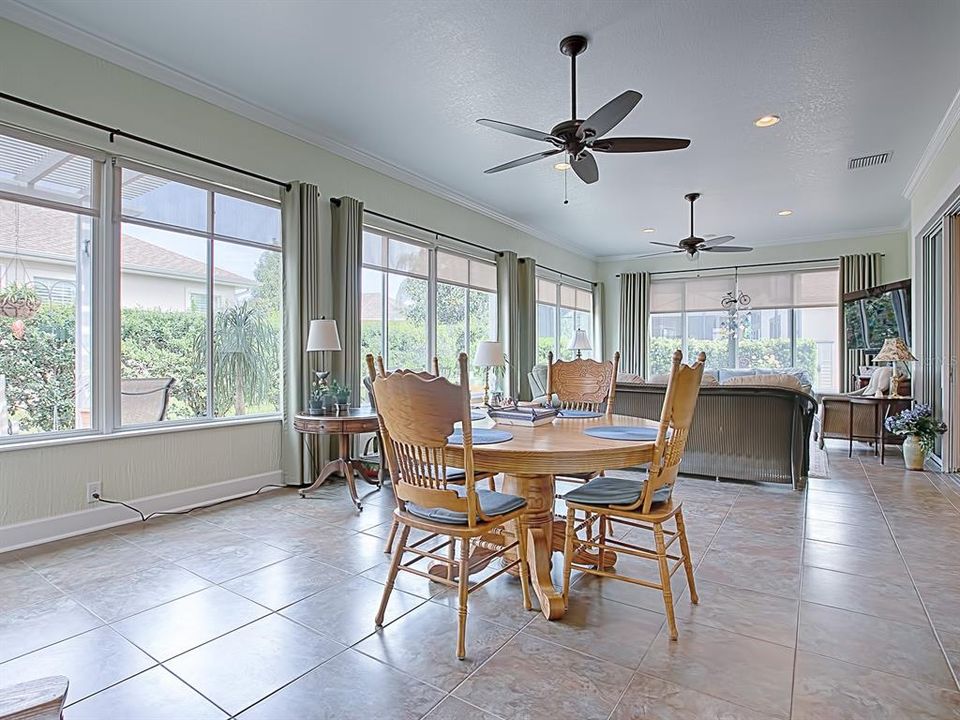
(85,41)
(947,125)
(829,237)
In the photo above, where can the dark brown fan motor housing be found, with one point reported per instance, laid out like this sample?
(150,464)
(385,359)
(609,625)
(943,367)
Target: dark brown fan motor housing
(577,137)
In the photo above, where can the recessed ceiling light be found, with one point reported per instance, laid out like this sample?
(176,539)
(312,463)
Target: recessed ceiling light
(766,121)
(649,230)
(784,213)
(561,166)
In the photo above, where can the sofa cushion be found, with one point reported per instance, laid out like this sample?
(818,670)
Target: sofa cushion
(630,378)
(778,380)
(663,378)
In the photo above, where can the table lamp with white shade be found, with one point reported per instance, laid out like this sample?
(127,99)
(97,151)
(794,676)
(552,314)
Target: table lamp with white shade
(581,342)
(323,337)
(895,351)
(489,354)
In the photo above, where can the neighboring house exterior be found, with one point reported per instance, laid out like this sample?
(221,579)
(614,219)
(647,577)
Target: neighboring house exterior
(152,277)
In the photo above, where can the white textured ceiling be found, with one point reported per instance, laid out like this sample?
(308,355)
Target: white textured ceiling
(404,82)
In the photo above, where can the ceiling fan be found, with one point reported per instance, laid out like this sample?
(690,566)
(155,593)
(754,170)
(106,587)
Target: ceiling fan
(693,245)
(577,137)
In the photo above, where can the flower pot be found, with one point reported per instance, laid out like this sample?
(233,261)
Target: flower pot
(20,309)
(913,453)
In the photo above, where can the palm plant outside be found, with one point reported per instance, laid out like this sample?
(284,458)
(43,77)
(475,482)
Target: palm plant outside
(245,356)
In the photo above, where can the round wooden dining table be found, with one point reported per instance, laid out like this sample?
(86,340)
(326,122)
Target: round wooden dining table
(530,462)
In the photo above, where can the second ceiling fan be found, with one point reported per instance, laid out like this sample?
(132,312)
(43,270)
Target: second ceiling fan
(693,245)
(577,137)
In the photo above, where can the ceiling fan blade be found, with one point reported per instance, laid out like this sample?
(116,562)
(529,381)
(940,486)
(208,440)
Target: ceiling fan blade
(523,161)
(726,248)
(609,116)
(520,130)
(713,242)
(638,144)
(669,245)
(585,167)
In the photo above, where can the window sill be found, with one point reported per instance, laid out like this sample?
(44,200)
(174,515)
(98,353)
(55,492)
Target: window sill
(40,441)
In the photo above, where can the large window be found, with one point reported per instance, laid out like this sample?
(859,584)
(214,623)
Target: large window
(562,309)
(131,295)
(49,217)
(200,293)
(791,320)
(418,301)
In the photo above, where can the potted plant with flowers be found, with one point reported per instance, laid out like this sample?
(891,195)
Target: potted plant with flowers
(19,300)
(920,430)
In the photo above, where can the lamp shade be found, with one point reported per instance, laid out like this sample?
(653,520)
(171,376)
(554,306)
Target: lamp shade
(894,350)
(323,336)
(489,354)
(581,341)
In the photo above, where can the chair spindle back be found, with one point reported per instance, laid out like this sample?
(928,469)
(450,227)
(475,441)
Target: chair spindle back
(679,404)
(583,384)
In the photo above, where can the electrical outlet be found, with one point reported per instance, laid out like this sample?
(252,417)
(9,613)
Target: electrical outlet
(93,488)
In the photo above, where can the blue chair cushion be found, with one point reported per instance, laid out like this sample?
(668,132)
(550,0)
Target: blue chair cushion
(604,491)
(491,503)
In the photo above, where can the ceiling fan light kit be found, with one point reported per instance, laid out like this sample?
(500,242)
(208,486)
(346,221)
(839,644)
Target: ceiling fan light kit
(576,137)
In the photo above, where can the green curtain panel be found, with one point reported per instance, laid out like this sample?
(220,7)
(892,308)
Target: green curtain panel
(634,321)
(508,329)
(347,241)
(857,272)
(306,296)
(598,351)
(517,323)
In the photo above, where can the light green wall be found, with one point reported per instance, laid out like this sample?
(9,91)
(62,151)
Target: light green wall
(38,483)
(895,266)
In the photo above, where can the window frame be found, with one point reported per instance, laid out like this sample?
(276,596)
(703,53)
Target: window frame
(557,305)
(433,281)
(733,357)
(98,212)
(211,238)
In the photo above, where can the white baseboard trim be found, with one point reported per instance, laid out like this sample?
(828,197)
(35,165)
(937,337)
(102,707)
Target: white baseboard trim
(34,532)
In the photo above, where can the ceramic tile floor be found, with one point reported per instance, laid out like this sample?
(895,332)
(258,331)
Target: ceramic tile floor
(842,602)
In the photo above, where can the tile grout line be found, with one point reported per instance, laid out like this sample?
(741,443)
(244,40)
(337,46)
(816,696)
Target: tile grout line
(913,580)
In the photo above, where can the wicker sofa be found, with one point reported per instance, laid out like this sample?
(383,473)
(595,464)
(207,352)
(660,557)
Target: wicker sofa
(740,432)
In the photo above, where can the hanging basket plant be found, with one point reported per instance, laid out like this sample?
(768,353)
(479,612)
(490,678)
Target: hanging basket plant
(19,300)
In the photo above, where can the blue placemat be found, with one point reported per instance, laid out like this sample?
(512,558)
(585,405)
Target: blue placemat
(580,414)
(481,436)
(477,414)
(622,432)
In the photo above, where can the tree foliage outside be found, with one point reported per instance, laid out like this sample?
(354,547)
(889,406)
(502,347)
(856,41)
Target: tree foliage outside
(40,369)
(768,353)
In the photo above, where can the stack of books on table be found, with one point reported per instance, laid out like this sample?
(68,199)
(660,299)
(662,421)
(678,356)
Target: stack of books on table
(528,416)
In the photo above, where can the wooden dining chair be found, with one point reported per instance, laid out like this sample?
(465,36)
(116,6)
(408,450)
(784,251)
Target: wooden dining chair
(454,475)
(417,416)
(644,504)
(584,385)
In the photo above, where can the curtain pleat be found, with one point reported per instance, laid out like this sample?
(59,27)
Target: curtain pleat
(634,321)
(508,329)
(857,272)
(347,242)
(598,306)
(306,272)
(526,319)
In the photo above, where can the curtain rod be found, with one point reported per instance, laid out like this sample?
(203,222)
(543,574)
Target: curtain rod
(117,132)
(336,201)
(739,267)
(592,283)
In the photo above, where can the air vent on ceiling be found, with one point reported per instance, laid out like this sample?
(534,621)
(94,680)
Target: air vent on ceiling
(867,161)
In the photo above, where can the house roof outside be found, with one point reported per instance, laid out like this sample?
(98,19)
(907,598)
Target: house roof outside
(51,235)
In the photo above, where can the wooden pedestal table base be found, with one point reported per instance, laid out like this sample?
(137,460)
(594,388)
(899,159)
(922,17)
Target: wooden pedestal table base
(355,420)
(529,462)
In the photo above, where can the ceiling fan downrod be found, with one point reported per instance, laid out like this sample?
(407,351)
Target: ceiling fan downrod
(573,45)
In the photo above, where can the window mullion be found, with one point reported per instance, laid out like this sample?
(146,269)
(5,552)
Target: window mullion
(210,275)
(431,308)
